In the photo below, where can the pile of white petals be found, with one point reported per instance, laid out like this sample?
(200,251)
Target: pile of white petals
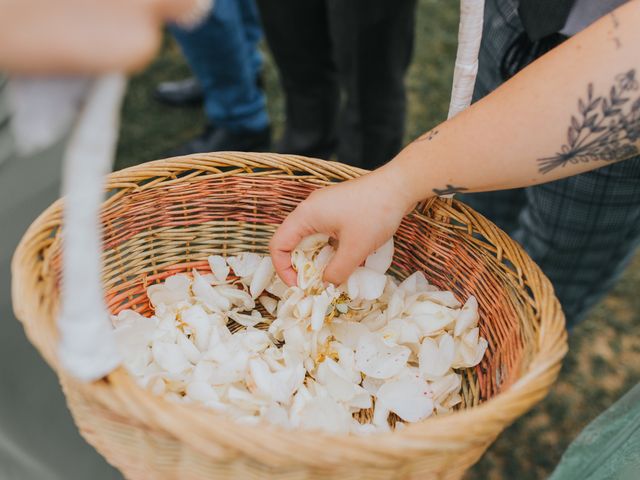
(315,356)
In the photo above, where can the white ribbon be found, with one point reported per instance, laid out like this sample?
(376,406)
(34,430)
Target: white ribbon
(466,66)
(87,343)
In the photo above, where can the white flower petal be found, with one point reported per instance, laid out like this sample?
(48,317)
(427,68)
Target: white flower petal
(380,260)
(325,414)
(238,298)
(175,289)
(468,316)
(245,264)
(254,340)
(323,257)
(244,319)
(374,320)
(279,386)
(348,333)
(320,305)
(277,287)
(401,331)
(381,418)
(444,386)
(469,349)
(170,357)
(188,348)
(413,283)
(262,277)
(366,284)
(431,317)
(276,415)
(378,360)
(302,310)
(201,392)
(372,385)
(396,304)
(208,295)
(444,298)
(219,267)
(201,324)
(270,304)
(203,371)
(436,358)
(409,398)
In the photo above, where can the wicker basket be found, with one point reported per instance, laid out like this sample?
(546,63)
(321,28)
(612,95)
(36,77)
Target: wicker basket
(167,216)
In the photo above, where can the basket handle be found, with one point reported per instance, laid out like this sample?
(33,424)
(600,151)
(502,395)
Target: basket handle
(87,348)
(466,66)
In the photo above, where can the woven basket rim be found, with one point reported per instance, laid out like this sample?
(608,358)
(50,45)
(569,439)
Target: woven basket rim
(486,419)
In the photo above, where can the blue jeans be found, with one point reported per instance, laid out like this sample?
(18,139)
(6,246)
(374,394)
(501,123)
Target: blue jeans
(223,54)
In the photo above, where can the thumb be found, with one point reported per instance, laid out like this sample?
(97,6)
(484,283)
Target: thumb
(351,253)
(172,10)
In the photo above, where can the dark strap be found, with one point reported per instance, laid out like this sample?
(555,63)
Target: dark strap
(543,17)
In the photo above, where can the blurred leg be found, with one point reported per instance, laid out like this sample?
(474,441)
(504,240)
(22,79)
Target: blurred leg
(582,231)
(298,36)
(225,64)
(373,45)
(252,31)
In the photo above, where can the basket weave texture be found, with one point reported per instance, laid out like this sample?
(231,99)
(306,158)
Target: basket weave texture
(167,216)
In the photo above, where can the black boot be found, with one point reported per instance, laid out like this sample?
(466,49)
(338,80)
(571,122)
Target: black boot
(215,139)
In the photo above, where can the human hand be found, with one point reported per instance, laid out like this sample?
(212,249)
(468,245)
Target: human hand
(361,214)
(83,36)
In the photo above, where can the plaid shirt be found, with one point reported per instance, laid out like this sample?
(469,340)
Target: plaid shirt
(581,230)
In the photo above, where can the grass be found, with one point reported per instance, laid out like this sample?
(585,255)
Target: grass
(604,357)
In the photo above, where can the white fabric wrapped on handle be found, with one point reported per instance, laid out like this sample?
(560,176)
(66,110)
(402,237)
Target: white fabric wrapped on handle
(88,348)
(466,66)
(87,342)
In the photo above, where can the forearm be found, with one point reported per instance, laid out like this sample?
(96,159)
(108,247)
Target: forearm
(575,109)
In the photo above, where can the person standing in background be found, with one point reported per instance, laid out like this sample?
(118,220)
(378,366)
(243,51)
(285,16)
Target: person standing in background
(581,230)
(63,44)
(224,56)
(326,48)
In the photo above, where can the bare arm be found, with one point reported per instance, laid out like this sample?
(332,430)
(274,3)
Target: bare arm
(575,109)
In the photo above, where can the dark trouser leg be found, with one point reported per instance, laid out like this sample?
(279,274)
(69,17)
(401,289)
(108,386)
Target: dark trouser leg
(298,36)
(373,47)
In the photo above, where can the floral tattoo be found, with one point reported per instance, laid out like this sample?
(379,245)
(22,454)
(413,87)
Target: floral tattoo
(606,129)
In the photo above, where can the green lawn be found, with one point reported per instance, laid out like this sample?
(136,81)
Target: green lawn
(604,358)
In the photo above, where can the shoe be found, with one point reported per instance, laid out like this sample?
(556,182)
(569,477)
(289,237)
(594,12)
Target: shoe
(220,139)
(187,92)
(180,93)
